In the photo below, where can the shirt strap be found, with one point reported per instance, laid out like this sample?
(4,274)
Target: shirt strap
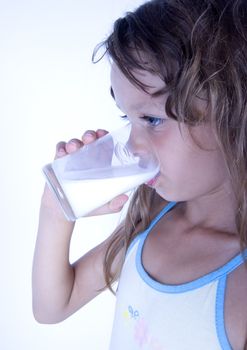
(168,207)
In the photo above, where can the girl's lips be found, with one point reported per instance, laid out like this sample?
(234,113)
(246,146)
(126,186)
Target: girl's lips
(152,182)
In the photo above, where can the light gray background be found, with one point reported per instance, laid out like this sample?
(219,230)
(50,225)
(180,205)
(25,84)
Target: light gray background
(49,91)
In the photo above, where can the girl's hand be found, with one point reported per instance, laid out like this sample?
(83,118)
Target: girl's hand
(64,148)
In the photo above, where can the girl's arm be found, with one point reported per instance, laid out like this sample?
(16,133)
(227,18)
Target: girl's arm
(60,288)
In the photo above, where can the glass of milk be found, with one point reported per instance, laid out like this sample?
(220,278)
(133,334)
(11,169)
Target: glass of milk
(96,173)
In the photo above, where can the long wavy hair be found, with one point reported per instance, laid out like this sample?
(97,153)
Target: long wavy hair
(199,49)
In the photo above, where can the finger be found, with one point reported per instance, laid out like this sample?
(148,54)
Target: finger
(117,203)
(89,136)
(114,206)
(60,149)
(101,132)
(73,145)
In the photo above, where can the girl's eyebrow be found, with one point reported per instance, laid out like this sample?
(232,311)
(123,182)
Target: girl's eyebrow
(157,93)
(113,96)
(112,93)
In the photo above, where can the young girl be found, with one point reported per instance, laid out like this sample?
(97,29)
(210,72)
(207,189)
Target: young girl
(178,73)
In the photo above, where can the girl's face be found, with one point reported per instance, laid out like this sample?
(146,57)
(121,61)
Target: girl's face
(186,170)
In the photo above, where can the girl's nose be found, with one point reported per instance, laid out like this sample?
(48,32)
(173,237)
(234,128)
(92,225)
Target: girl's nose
(140,147)
(137,142)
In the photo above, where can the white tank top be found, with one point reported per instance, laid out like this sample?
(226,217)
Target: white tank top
(153,316)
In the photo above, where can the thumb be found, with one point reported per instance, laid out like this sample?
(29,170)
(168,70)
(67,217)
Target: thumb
(117,203)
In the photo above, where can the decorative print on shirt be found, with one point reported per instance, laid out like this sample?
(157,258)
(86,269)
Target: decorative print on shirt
(141,332)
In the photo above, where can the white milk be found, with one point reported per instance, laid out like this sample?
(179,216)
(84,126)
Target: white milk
(87,195)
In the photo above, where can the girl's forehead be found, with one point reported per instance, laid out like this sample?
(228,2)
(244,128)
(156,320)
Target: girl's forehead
(130,98)
(153,82)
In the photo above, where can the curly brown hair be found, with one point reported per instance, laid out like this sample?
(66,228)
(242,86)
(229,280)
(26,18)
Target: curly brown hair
(199,49)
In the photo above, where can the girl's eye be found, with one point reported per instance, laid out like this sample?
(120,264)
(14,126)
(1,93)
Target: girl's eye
(148,120)
(153,121)
(124,117)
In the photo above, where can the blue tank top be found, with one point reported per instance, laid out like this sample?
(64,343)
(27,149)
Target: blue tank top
(153,316)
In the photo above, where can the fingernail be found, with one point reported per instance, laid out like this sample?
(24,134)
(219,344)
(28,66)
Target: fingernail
(73,142)
(119,202)
(60,151)
(88,134)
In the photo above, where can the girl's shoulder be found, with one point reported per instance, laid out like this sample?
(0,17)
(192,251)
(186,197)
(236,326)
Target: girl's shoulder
(236,307)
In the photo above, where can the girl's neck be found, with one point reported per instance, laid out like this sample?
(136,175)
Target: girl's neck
(215,210)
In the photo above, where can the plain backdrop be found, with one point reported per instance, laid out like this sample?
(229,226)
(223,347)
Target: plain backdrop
(49,91)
